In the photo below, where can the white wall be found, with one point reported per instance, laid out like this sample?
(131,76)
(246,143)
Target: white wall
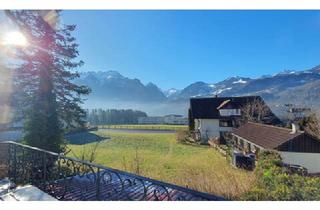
(179,120)
(210,128)
(151,120)
(311,161)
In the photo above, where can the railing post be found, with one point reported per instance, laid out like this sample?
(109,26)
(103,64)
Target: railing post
(14,163)
(98,183)
(44,162)
(8,160)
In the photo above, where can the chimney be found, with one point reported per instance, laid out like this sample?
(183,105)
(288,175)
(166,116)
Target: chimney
(294,128)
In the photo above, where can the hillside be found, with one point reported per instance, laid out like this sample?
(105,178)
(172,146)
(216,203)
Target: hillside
(110,89)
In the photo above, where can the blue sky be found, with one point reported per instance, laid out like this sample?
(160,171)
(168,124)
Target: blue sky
(176,48)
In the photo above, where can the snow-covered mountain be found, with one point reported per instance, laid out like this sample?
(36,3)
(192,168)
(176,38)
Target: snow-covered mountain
(200,89)
(112,86)
(269,87)
(172,92)
(111,89)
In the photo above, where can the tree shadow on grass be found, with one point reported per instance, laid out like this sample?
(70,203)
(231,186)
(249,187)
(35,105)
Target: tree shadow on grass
(83,138)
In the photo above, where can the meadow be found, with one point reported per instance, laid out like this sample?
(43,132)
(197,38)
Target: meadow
(146,127)
(161,157)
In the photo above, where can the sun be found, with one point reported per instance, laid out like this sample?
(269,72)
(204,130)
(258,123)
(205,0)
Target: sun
(15,38)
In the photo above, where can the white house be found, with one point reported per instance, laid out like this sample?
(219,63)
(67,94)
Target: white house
(217,116)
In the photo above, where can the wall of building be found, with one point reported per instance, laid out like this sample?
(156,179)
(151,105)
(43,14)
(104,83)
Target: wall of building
(302,143)
(311,161)
(151,120)
(244,145)
(209,128)
(175,120)
(169,119)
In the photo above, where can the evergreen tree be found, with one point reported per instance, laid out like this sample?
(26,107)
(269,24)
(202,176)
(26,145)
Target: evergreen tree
(114,116)
(51,102)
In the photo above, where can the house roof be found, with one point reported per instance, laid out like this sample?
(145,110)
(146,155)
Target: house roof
(266,136)
(208,108)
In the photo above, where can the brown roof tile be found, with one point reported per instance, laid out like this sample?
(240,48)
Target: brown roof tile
(266,136)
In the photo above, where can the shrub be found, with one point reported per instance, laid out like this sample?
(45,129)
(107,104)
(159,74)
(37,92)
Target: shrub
(274,182)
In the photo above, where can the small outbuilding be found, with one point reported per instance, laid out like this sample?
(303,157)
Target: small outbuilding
(295,147)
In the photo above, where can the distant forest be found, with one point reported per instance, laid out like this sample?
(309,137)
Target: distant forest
(114,116)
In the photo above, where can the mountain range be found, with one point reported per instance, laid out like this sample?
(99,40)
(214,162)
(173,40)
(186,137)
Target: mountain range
(110,89)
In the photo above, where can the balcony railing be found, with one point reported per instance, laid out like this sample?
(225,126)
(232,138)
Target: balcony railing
(67,178)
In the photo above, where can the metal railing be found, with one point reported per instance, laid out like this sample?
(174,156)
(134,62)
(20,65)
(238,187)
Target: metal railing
(67,178)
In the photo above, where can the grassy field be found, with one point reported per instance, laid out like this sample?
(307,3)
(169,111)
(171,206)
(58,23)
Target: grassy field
(148,127)
(159,156)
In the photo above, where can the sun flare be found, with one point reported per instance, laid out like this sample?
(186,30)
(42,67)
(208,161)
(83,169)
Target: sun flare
(15,38)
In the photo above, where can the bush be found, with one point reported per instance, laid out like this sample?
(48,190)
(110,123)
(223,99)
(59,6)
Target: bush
(276,183)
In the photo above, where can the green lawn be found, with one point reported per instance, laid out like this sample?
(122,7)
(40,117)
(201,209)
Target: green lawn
(159,156)
(148,127)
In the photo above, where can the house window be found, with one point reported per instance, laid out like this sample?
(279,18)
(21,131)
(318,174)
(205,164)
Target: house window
(254,148)
(235,140)
(223,137)
(225,123)
(249,147)
(256,151)
(241,143)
